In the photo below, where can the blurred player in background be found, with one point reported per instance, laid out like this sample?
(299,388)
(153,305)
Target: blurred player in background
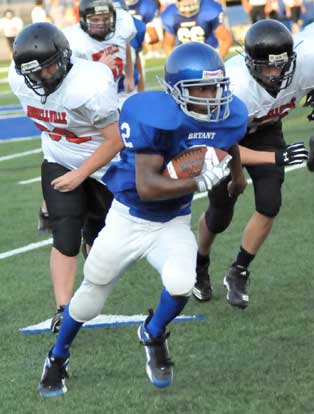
(150,215)
(198,21)
(136,45)
(39,12)
(74,103)
(271,77)
(147,11)
(103,34)
(11,25)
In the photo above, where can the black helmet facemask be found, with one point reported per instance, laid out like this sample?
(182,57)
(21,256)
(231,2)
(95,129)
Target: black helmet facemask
(32,72)
(285,63)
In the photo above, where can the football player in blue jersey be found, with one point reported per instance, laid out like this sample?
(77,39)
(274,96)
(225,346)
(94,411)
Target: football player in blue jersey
(195,20)
(150,214)
(136,46)
(146,11)
(143,9)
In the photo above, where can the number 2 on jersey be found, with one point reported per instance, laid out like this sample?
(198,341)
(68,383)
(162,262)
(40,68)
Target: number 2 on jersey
(125,134)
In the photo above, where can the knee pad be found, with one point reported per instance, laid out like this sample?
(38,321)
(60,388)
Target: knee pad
(221,206)
(67,235)
(88,301)
(179,280)
(218,219)
(268,206)
(268,202)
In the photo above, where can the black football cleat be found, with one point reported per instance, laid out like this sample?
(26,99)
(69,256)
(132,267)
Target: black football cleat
(57,319)
(202,290)
(310,161)
(236,281)
(159,366)
(52,382)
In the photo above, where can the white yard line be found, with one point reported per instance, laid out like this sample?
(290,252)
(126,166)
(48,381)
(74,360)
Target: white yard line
(20,154)
(46,242)
(26,248)
(6,141)
(31,181)
(3,93)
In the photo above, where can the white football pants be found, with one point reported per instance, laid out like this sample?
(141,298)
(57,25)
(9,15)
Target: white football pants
(169,247)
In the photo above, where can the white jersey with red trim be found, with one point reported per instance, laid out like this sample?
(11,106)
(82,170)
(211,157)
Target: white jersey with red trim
(72,116)
(307,32)
(263,108)
(85,47)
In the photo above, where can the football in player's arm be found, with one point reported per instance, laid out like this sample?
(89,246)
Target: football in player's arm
(150,214)
(271,77)
(74,103)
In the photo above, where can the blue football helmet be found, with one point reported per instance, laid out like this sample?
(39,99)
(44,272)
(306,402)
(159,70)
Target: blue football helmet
(196,64)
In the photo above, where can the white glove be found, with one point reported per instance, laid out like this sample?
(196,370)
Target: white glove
(212,174)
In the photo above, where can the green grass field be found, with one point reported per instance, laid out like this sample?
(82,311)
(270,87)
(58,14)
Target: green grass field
(257,361)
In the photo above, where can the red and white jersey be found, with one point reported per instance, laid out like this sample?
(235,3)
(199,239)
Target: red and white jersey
(306,33)
(263,108)
(72,116)
(85,47)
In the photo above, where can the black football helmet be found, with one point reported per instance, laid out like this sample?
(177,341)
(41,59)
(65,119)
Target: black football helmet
(99,31)
(37,47)
(269,43)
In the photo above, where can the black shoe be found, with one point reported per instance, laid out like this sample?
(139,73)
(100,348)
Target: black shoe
(52,382)
(44,222)
(310,161)
(57,319)
(202,290)
(158,365)
(236,281)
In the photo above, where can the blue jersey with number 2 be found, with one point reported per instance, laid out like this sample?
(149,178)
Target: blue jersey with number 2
(152,122)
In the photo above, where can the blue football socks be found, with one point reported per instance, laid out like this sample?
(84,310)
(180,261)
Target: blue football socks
(68,330)
(168,308)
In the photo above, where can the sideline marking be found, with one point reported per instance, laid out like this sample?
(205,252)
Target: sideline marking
(33,246)
(106,321)
(32,180)
(29,138)
(20,154)
(26,248)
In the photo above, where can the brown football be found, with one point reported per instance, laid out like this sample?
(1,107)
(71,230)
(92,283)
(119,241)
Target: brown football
(189,163)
